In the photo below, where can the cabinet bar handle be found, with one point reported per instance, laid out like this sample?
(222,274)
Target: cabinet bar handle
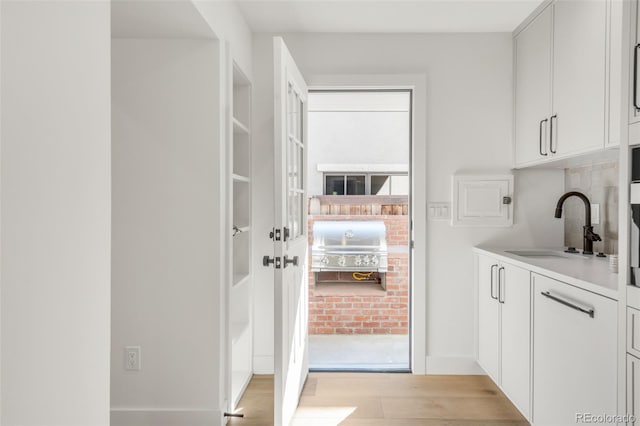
(540,135)
(501,285)
(551,133)
(492,275)
(635,77)
(589,312)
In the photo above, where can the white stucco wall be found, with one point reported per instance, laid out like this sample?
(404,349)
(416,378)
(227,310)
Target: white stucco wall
(363,131)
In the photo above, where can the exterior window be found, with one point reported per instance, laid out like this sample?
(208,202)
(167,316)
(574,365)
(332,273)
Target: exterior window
(367,184)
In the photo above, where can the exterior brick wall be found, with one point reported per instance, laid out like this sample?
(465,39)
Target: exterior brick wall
(386,312)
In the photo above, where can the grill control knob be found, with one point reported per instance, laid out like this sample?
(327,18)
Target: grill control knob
(358,261)
(342,261)
(324,260)
(366,260)
(374,260)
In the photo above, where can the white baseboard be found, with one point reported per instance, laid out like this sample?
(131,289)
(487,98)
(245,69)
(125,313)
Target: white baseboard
(453,365)
(166,417)
(263,364)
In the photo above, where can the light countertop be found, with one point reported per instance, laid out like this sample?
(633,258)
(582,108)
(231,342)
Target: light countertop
(587,272)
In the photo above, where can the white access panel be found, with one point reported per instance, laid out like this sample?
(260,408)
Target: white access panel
(482,201)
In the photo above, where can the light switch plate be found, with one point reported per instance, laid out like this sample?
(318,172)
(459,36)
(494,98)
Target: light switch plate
(440,210)
(595,214)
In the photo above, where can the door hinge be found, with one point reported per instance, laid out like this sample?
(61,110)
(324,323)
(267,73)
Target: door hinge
(412,244)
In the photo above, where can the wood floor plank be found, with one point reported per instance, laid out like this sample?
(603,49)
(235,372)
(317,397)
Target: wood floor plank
(326,406)
(379,399)
(450,408)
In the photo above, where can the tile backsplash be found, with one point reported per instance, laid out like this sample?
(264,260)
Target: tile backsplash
(600,184)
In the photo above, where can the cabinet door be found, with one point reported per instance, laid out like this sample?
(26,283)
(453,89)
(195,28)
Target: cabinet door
(633,331)
(480,200)
(633,388)
(533,89)
(579,59)
(488,316)
(634,84)
(574,354)
(515,298)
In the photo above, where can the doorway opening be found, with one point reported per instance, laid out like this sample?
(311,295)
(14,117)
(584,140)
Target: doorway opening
(359,186)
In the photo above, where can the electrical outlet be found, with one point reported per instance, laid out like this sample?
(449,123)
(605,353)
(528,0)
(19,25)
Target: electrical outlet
(595,214)
(132,358)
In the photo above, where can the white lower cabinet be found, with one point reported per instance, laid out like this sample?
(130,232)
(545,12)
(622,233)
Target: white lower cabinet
(574,353)
(633,389)
(503,328)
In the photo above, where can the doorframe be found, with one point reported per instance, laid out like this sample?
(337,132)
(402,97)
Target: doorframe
(417,84)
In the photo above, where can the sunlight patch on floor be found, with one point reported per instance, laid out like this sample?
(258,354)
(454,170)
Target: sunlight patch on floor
(325,416)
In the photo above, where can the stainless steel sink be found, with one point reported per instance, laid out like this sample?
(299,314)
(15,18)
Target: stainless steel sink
(539,254)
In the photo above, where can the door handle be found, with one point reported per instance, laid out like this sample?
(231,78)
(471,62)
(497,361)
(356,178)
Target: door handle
(589,312)
(293,261)
(266,261)
(492,275)
(501,285)
(635,77)
(540,136)
(551,133)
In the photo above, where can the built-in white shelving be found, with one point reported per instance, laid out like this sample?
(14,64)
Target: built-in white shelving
(241,297)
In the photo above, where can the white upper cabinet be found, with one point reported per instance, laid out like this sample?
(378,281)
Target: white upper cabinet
(578,120)
(567,81)
(634,84)
(533,89)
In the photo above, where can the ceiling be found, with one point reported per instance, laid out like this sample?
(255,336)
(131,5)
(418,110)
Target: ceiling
(385,16)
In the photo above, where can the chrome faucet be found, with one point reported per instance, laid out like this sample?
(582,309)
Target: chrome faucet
(588,235)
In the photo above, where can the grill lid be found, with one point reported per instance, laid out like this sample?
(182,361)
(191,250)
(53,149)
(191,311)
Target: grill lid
(349,235)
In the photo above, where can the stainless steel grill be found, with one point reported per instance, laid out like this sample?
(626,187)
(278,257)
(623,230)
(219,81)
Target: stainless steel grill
(349,246)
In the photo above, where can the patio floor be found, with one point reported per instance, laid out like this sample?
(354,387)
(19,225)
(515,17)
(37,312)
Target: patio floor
(358,352)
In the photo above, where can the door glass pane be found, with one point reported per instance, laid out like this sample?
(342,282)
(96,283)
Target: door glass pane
(334,185)
(356,185)
(290,109)
(301,170)
(300,108)
(380,185)
(295,164)
(292,166)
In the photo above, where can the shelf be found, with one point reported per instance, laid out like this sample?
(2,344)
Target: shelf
(240,178)
(240,279)
(239,127)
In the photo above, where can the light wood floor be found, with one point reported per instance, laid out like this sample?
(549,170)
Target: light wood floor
(366,399)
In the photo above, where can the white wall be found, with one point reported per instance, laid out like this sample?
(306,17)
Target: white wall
(228,24)
(469,126)
(167,292)
(55,227)
(372,132)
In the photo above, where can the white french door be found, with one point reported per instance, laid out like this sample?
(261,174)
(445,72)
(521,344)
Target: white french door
(290,247)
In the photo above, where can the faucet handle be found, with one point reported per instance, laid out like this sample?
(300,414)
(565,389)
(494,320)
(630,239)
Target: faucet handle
(590,235)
